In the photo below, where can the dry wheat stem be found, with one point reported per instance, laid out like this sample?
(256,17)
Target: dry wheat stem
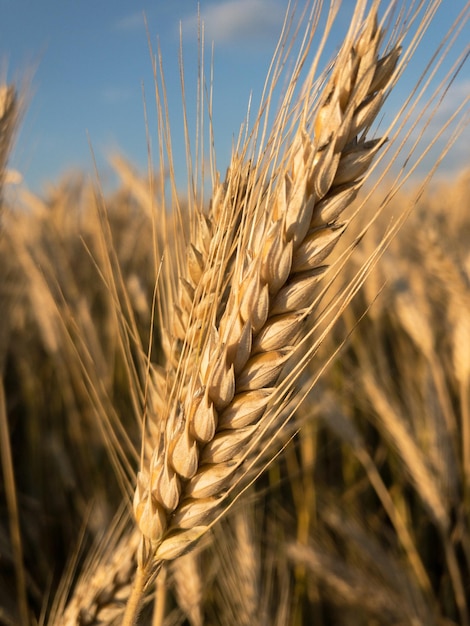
(246,302)
(347,431)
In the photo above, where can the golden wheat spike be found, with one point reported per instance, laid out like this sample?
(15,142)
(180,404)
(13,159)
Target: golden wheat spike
(233,343)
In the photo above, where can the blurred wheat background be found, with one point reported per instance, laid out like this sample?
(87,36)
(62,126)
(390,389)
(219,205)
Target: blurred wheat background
(362,518)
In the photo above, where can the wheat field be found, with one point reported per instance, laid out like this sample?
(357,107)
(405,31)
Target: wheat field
(249,408)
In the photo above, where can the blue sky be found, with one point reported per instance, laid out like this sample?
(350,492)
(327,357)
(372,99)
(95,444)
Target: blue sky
(89,63)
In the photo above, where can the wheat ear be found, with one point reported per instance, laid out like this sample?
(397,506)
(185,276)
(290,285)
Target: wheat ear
(255,287)
(100,596)
(9,113)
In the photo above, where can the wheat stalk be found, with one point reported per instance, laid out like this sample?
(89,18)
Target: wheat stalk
(246,307)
